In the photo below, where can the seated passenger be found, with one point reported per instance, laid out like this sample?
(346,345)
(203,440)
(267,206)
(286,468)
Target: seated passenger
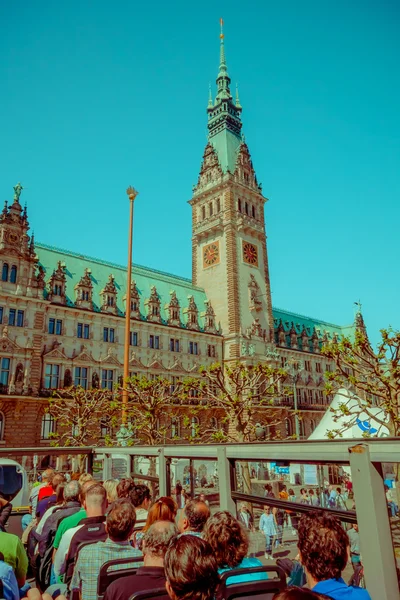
(49,501)
(119,524)
(140,497)
(324,551)
(230,544)
(191,569)
(8,581)
(151,576)
(92,528)
(164,509)
(193,517)
(14,555)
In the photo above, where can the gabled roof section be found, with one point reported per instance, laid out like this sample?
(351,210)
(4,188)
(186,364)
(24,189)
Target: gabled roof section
(100,271)
(289,320)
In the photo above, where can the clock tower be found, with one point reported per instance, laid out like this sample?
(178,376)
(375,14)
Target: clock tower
(229,253)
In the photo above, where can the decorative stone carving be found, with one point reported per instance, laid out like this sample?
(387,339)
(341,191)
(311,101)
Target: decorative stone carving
(315,341)
(109,297)
(153,306)
(293,337)
(192,315)
(244,170)
(256,330)
(210,170)
(304,339)
(255,303)
(135,301)
(57,285)
(84,291)
(281,334)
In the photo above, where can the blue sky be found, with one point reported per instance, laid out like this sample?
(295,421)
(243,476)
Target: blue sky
(96,96)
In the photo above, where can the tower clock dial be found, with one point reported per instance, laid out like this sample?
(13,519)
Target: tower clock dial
(250,254)
(211,254)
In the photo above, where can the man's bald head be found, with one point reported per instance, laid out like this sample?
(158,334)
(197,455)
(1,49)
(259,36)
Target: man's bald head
(158,537)
(194,516)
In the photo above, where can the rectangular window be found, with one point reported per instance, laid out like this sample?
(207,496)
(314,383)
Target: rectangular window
(211,350)
(328,368)
(109,335)
(310,396)
(55,326)
(81,377)
(52,377)
(210,209)
(154,342)
(107,379)
(318,367)
(83,331)
(133,338)
(11,316)
(4,371)
(1,315)
(193,348)
(253,211)
(307,365)
(20,318)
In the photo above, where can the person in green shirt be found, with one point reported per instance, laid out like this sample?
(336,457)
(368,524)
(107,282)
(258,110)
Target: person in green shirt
(72,520)
(14,555)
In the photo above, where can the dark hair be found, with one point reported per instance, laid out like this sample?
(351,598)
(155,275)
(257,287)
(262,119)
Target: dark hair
(227,538)
(124,487)
(164,509)
(197,513)
(57,479)
(191,568)
(291,492)
(323,545)
(60,493)
(138,494)
(121,520)
(297,593)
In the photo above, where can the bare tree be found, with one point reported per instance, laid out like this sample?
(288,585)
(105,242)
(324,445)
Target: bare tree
(371,378)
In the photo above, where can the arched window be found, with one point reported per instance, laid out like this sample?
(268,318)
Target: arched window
(48,426)
(312,425)
(175,427)
(289,427)
(214,423)
(4,272)
(194,426)
(2,425)
(105,428)
(302,428)
(13,274)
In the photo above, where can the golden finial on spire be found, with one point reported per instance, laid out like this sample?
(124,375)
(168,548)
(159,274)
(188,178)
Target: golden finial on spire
(221,22)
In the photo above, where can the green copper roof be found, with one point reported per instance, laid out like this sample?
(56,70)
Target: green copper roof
(288,318)
(227,145)
(75,265)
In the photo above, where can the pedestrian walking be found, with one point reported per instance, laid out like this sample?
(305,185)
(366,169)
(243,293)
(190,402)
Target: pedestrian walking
(269,528)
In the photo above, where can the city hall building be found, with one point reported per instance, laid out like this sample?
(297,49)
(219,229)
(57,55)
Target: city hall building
(62,314)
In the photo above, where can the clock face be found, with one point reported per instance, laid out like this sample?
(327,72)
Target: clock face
(250,254)
(211,254)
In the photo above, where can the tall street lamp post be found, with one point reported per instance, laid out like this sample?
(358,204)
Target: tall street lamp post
(124,433)
(294,368)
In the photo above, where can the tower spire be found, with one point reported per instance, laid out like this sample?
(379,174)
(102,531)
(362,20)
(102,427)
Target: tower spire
(210,100)
(223,79)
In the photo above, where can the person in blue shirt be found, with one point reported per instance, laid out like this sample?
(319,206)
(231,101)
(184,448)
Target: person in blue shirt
(230,545)
(324,551)
(9,581)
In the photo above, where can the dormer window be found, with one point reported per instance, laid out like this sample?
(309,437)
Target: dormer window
(84,291)
(153,306)
(109,296)
(193,314)
(57,292)
(173,309)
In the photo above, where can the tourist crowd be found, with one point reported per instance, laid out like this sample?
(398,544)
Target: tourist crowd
(78,526)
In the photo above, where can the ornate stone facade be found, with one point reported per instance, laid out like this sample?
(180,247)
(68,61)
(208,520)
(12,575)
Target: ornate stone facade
(62,314)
